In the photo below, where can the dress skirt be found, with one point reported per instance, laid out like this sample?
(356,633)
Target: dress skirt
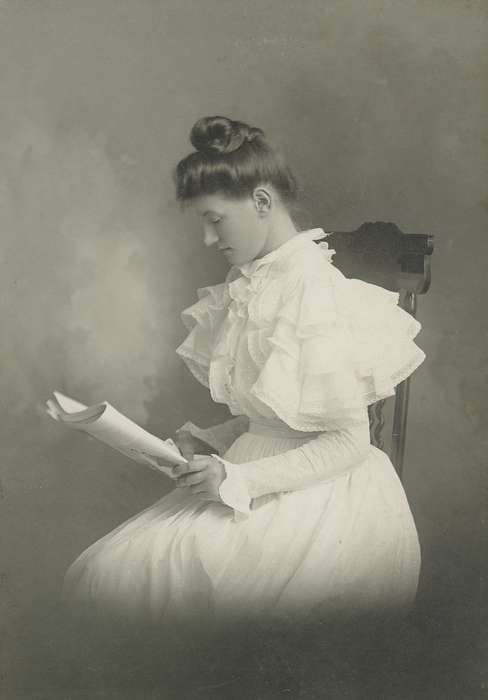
(340,547)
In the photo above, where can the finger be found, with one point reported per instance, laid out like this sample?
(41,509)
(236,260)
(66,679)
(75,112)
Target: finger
(203,495)
(207,496)
(199,458)
(191,479)
(197,464)
(201,490)
(192,466)
(180,469)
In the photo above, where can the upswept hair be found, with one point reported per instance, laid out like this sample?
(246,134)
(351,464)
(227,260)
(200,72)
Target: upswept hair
(231,158)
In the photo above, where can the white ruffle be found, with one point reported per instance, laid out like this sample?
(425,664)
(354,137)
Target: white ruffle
(233,490)
(203,319)
(324,346)
(342,345)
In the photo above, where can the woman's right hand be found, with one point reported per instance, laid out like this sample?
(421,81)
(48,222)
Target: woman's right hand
(189,445)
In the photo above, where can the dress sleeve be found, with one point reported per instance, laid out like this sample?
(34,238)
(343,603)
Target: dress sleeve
(220,436)
(203,320)
(330,455)
(336,346)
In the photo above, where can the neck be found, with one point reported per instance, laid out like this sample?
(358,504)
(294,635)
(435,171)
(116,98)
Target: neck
(281,229)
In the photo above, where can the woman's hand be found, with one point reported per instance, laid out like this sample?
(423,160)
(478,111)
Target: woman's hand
(188,445)
(202,476)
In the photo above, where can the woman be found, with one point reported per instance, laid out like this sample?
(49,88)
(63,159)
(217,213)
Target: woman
(295,516)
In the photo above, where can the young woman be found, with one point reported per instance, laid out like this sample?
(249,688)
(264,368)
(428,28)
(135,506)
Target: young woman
(295,515)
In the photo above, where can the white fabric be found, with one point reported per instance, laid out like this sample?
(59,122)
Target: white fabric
(314,519)
(342,546)
(342,344)
(317,460)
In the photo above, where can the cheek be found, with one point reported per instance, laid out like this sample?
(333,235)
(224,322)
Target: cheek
(236,235)
(248,234)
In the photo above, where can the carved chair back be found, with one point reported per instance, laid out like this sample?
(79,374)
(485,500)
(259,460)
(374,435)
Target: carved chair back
(380,253)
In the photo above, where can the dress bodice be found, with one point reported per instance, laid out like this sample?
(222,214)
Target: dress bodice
(287,338)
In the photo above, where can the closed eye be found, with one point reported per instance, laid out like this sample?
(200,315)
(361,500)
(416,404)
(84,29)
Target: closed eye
(211,216)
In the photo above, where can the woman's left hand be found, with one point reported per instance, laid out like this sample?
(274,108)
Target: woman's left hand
(202,476)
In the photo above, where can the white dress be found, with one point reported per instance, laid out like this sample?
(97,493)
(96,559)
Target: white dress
(314,520)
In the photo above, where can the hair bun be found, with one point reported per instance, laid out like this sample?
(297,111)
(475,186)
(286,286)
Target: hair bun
(220,135)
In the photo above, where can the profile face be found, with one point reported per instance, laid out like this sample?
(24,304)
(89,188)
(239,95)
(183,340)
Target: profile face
(234,225)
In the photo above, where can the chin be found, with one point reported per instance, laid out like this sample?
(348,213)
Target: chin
(237,259)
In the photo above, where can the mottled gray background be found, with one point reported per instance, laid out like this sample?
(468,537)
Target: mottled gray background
(381,109)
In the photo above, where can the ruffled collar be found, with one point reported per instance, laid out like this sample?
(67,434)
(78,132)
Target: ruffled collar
(250,268)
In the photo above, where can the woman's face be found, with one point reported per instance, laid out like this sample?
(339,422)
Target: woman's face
(234,225)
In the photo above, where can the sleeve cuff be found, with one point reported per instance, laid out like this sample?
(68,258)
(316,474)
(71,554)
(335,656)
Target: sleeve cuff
(233,490)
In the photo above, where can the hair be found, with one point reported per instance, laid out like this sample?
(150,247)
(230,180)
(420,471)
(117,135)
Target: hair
(232,158)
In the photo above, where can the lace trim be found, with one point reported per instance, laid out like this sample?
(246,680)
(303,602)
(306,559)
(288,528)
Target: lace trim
(353,334)
(233,490)
(348,412)
(199,370)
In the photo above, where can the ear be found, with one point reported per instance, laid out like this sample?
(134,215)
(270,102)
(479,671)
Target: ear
(263,200)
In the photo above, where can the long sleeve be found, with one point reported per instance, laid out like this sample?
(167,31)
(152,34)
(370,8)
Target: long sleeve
(220,436)
(320,348)
(328,456)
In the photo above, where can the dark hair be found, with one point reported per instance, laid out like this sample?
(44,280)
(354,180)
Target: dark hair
(231,158)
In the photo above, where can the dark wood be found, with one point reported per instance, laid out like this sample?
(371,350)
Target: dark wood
(380,253)
(377,423)
(408,301)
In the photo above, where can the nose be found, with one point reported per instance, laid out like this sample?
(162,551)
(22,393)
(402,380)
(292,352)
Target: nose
(209,236)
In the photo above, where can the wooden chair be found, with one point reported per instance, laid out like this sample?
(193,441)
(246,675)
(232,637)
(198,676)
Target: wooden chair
(378,252)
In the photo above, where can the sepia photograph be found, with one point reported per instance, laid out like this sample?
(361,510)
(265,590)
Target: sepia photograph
(244,349)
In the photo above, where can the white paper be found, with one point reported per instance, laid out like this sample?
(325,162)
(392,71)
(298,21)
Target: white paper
(105,423)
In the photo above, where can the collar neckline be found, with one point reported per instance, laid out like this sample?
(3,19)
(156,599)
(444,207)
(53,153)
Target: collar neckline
(252,266)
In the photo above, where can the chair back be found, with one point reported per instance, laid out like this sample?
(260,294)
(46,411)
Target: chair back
(380,253)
